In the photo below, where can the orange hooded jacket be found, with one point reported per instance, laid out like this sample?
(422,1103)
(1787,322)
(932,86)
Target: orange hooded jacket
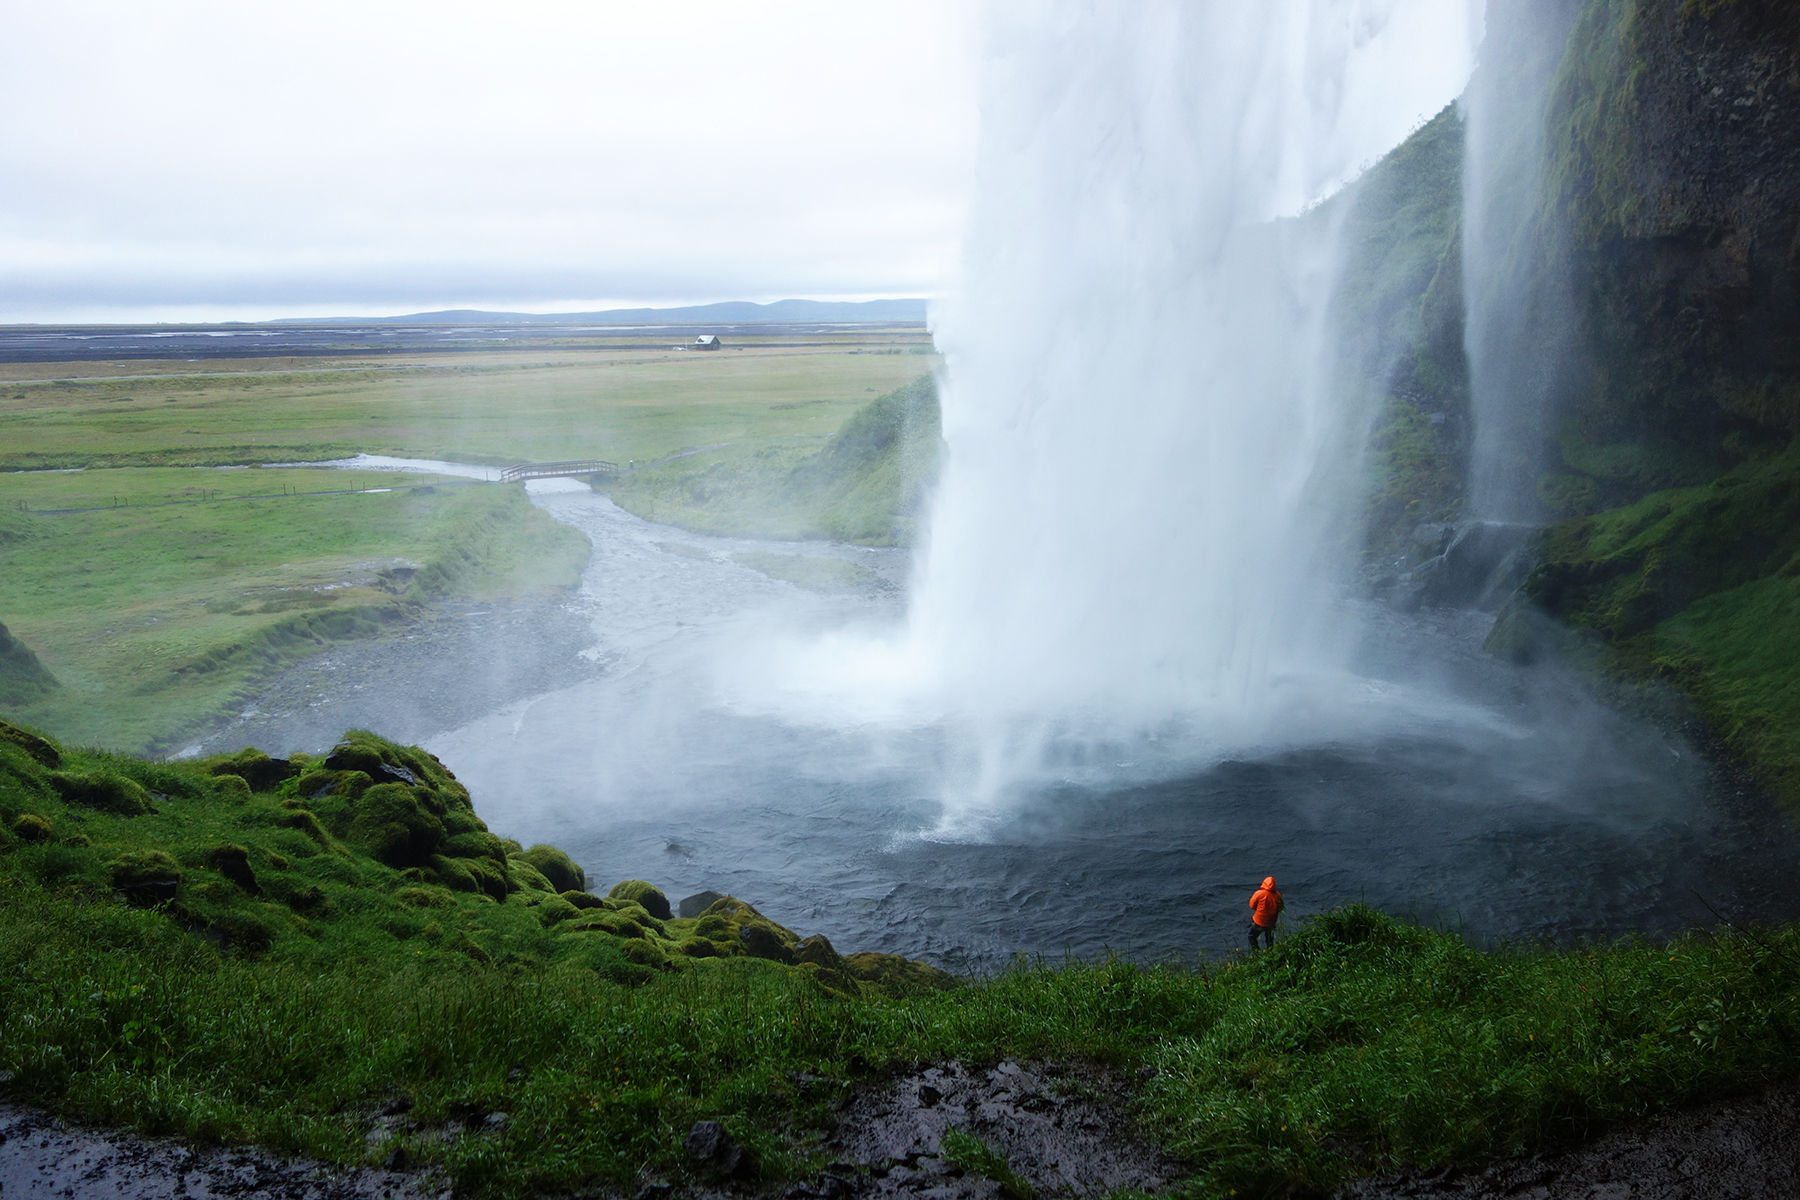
(1266,904)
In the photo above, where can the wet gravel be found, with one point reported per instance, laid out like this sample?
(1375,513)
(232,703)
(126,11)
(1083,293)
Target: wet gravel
(434,671)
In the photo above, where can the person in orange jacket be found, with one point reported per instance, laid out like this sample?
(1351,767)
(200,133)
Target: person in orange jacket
(1265,909)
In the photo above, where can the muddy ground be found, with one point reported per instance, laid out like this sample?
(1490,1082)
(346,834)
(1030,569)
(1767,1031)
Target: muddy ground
(1060,1129)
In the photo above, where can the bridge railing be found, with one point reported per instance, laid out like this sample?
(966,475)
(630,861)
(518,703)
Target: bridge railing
(552,470)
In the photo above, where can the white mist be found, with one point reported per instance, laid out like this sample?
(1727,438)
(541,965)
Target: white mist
(1133,555)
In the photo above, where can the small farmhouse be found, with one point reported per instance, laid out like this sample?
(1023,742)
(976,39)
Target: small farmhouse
(707,341)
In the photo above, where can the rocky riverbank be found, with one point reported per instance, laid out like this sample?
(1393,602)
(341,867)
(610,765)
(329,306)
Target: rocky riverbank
(438,670)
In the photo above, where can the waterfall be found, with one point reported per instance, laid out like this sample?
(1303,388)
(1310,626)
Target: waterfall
(1134,551)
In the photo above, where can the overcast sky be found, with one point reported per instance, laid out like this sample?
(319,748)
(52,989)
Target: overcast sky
(189,160)
(180,160)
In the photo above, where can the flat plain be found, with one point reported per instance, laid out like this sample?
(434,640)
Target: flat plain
(158,586)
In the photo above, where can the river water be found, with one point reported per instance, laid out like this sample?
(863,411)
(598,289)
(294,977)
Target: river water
(1477,796)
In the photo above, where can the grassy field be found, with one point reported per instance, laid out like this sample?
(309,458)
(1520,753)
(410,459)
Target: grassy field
(161,610)
(619,405)
(157,612)
(240,949)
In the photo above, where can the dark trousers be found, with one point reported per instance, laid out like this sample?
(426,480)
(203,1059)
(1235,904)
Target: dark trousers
(1267,933)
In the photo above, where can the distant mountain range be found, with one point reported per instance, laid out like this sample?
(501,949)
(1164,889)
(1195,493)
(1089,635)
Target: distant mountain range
(729,312)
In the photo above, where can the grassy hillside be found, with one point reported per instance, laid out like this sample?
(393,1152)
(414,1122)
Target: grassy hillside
(866,484)
(336,956)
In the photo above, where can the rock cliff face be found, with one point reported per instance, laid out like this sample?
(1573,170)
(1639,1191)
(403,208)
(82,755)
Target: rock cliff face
(1673,170)
(1607,343)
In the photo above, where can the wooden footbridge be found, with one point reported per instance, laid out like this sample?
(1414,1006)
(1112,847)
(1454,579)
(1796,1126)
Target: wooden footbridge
(557,470)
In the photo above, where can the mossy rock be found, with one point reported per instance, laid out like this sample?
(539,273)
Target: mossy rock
(145,877)
(318,784)
(234,787)
(426,896)
(644,953)
(646,894)
(761,940)
(233,862)
(554,910)
(255,768)
(41,749)
(308,899)
(701,948)
(526,877)
(583,899)
(475,844)
(713,926)
(30,827)
(892,973)
(818,951)
(563,872)
(391,824)
(477,875)
(103,791)
(460,821)
(307,822)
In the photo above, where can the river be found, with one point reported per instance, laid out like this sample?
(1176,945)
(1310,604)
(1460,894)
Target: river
(1484,797)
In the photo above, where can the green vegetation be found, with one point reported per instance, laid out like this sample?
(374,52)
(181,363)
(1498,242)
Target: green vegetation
(135,625)
(1398,313)
(1697,586)
(335,956)
(159,614)
(866,484)
(621,405)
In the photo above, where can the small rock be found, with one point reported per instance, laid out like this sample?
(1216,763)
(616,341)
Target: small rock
(708,1142)
(698,903)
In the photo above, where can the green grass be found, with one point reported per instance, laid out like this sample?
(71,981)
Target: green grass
(156,615)
(1696,586)
(619,405)
(312,971)
(865,484)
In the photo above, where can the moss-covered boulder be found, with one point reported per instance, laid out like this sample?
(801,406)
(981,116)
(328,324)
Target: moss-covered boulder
(41,749)
(562,871)
(892,973)
(32,827)
(646,894)
(255,768)
(390,822)
(145,877)
(102,790)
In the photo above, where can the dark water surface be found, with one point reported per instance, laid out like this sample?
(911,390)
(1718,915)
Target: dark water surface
(1503,803)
